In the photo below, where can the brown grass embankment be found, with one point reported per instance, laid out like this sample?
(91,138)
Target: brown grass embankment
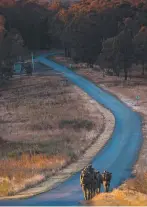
(45,124)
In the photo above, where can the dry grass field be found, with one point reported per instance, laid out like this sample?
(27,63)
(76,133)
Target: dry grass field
(45,124)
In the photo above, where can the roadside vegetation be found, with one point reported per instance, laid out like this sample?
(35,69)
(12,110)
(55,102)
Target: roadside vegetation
(45,124)
(106,41)
(112,34)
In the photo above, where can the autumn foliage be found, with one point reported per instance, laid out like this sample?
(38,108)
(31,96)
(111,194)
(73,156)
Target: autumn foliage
(80,28)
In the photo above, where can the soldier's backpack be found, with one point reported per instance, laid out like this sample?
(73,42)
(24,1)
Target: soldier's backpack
(97,177)
(86,178)
(107,176)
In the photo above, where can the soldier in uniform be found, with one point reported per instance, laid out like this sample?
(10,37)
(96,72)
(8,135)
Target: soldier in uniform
(86,181)
(106,176)
(98,182)
(92,181)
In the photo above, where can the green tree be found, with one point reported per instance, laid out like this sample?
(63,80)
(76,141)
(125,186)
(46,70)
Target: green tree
(140,47)
(124,47)
(110,56)
(11,47)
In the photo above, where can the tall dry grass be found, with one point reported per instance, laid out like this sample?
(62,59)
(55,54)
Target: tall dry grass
(24,171)
(138,184)
(44,125)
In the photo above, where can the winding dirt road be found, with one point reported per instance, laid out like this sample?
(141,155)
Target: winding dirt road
(118,156)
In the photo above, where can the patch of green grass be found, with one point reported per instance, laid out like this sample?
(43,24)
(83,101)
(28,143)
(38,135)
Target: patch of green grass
(72,155)
(12,154)
(43,125)
(76,124)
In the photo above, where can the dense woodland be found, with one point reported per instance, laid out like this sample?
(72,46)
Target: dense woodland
(112,33)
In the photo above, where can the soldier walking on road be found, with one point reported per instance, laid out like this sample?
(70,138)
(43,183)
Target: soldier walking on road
(98,182)
(86,181)
(106,176)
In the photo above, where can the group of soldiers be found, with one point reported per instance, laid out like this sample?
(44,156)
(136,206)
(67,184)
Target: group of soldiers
(91,181)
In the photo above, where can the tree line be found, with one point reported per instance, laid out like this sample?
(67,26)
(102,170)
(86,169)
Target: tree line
(112,33)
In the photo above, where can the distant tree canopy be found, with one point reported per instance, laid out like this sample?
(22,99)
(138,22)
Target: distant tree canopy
(140,47)
(112,32)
